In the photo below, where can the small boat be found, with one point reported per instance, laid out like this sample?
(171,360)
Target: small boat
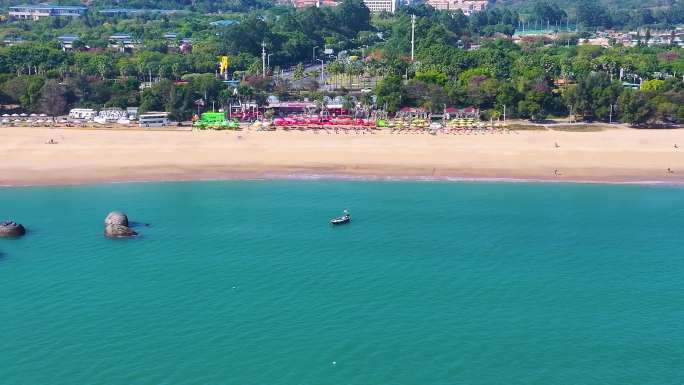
(345,218)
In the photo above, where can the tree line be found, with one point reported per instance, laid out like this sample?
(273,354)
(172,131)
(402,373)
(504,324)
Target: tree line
(535,79)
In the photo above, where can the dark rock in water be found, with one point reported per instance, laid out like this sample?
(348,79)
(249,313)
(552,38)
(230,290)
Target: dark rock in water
(116,226)
(11,229)
(118,231)
(116,218)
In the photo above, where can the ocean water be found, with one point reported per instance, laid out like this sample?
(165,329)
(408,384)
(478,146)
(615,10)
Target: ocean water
(244,282)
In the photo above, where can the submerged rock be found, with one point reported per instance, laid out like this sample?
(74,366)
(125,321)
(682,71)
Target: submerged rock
(116,226)
(11,229)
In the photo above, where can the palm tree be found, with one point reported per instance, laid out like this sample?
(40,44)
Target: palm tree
(335,68)
(321,101)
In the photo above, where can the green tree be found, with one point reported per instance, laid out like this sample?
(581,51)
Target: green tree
(52,98)
(298,72)
(636,107)
(390,91)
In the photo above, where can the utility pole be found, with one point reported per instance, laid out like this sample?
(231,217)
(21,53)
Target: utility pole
(263,57)
(413,36)
(313,55)
(610,116)
(322,78)
(504,106)
(268,60)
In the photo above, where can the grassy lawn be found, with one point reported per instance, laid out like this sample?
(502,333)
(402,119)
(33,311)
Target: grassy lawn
(526,127)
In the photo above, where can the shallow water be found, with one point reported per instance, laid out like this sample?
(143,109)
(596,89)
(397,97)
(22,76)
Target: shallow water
(244,282)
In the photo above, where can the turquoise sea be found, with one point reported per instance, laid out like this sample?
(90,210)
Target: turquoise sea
(433,283)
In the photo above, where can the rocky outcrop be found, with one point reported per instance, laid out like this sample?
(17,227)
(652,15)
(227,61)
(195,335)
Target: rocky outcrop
(11,229)
(116,218)
(116,226)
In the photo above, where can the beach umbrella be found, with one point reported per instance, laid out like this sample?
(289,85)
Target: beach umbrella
(15,114)
(5,115)
(43,115)
(23,114)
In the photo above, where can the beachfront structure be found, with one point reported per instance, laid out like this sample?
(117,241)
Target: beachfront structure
(378,6)
(292,108)
(112,115)
(153,119)
(215,120)
(468,7)
(37,12)
(82,114)
(466,112)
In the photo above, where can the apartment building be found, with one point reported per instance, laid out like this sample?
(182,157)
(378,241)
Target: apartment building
(378,6)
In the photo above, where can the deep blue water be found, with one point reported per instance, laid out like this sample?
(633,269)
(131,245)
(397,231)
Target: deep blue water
(244,282)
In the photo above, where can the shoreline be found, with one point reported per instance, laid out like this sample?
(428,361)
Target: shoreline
(302,175)
(617,156)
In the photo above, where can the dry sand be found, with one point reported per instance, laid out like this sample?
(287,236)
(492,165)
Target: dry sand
(90,156)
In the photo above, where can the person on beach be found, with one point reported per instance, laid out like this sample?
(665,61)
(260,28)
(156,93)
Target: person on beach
(556,144)
(670,171)
(555,172)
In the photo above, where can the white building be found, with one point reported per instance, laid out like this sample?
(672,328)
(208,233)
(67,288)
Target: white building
(378,6)
(37,12)
(468,7)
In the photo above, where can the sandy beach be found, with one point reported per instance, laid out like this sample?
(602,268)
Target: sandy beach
(94,156)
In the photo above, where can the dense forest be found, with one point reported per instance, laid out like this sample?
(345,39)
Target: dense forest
(460,61)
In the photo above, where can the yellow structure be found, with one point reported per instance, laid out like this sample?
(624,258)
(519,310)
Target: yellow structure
(223,64)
